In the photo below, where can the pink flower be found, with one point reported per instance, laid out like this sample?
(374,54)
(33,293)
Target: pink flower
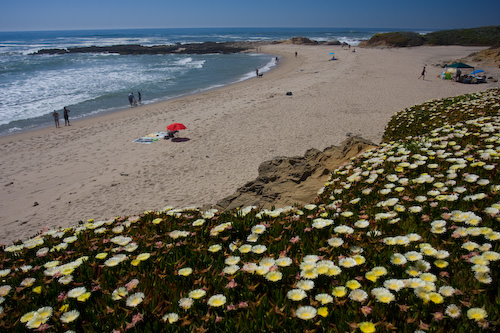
(158,244)
(307,229)
(218,319)
(231,307)
(425,218)
(231,284)
(366,310)
(61,297)
(132,284)
(105,240)
(438,316)
(96,288)
(444,274)
(424,326)
(243,305)
(295,239)
(137,318)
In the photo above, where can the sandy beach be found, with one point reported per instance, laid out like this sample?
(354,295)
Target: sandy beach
(93,169)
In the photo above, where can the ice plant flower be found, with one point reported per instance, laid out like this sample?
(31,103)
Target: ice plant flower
(186,303)
(358,295)
(197,293)
(453,311)
(171,317)
(476,314)
(186,271)
(274,276)
(119,293)
(340,291)
(77,292)
(70,316)
(217,300)
(366,327)
(296,294)
(135,299)
(306,312)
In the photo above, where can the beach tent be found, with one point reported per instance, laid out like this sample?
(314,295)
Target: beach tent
(459,65)
(452,69)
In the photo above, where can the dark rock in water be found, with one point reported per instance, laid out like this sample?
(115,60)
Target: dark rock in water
(194,48)
(286,181)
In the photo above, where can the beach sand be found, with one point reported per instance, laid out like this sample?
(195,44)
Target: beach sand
(93,169)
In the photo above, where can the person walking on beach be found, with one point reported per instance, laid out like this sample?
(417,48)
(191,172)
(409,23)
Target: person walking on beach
(257,72)
(423,74)
(56,118)
(66,116)
(139,97)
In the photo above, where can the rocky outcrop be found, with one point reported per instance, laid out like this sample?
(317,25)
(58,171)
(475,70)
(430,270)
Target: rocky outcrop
(286,181)
(300,41)
(394,39)
(194,48)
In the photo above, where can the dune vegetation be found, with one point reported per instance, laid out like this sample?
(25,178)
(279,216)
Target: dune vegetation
(482,36)
(403,238)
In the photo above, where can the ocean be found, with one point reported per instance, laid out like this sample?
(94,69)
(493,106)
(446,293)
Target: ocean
(33,86)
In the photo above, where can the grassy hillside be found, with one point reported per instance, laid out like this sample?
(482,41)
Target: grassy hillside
(403,238)
(483,36)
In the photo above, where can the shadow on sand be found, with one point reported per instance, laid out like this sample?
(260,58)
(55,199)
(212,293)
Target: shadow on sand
(180,139)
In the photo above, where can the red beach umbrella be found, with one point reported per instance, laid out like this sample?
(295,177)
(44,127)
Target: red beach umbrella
(176,127)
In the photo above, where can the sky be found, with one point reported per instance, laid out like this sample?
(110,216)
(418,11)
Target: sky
(23,15)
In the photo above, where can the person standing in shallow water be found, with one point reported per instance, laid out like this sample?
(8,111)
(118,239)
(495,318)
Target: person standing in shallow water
(131,99)
(139,97)
(66,116)
(55,114)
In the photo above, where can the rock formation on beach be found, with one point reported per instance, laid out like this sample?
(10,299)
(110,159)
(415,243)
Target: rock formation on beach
(294,180)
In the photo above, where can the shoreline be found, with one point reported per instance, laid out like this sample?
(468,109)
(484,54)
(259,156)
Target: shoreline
(93,169)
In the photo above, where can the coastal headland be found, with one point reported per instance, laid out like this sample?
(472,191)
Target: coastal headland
(94,169)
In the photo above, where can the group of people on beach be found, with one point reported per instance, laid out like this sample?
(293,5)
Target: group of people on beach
(55,114)
(132,100)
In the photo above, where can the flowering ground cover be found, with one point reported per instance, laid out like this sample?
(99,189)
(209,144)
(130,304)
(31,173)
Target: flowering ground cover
(403,238)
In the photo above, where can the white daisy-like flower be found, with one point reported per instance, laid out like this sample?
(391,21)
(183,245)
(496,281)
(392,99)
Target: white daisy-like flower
(217,300)
(70,316)
(358,295)
(259,249)
(135,299)
(258,229)
(76,292)
(306,312)
(230,270)
(171,317)
(283,261)
(296,294)
(335,241)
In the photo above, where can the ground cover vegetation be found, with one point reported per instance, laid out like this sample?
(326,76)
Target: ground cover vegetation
(403,238)
(482,36)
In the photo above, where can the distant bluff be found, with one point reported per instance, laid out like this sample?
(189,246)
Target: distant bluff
(482,36)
